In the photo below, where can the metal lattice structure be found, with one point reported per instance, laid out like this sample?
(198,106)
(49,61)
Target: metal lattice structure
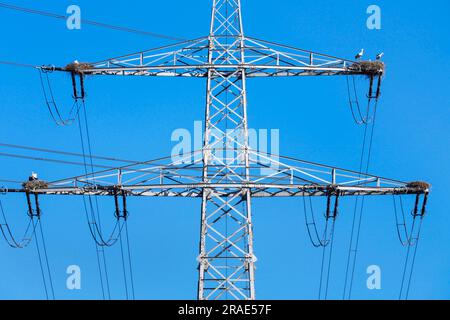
(226,174)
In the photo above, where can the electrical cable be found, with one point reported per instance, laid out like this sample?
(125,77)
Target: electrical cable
(15,146)
(44,247)
(413,242)
(123,267)
(129,261)
(93,205)
(324,264)
(41,266)
(358,230)
(51,104)
(89,22)
(100,271)
(18,156)
(414,260)
(125,258)
(9,181)
(317,242)
(95,213)
(101,257)
(408,270)
(8,234)
(34,226)
(357,217)
(326,260)
(43,259)
(329,260)
(17,64)
(351,102)
(406,241)
(48,102)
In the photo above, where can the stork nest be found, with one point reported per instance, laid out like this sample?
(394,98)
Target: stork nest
(370,68)
(78,67)
(419,185)
(35,184)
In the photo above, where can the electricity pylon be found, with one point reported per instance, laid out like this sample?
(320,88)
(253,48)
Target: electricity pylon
(226,174)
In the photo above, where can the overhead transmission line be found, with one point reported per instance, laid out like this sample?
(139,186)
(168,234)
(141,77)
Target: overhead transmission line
(17,64)
(51,104)
(34,230)
(7,233)
(10,181)
(59,152)
(410,261)
(18,156)
(366,151)
(412,242)
(327,253)
(92,212)
(366,154)
(65,153)
(400,222)
(44,262)
(48,95)
(89,22)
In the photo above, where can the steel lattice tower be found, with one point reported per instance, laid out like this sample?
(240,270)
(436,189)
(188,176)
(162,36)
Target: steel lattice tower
(226,249)
(227,173)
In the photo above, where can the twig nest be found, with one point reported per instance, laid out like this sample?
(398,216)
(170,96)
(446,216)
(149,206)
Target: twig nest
(419,185)
(369,68)
(78,67)
(35,184)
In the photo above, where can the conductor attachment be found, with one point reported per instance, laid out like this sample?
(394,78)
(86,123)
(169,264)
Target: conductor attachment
(118,212)
(77,70)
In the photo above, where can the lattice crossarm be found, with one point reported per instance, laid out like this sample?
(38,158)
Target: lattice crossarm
(186,59)
(256,189)
(268,59)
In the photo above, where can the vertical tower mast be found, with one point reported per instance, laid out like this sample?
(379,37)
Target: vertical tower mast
(226,261)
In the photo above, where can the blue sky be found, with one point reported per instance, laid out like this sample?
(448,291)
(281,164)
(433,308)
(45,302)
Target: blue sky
(135,117)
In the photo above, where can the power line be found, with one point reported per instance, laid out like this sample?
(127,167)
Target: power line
(17,64)
(43,259)
(101,255)
(327,253)
(41,265)
(357,218)
(413,262)
(52,106)
(18,156)
(10,181)
(123,267)
(130,265)
(44,247)
(89,22)
(8,235)
(329,261)
(66,153)
(104,168)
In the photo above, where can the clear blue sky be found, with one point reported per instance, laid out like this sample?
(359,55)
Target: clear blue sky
(134,118)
